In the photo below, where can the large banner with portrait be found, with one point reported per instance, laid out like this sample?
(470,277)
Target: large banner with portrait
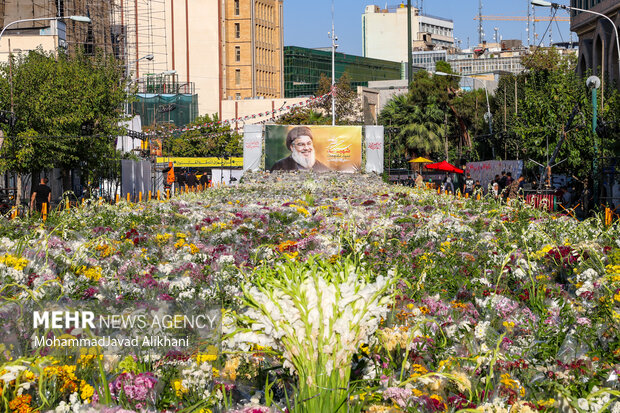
(317,148)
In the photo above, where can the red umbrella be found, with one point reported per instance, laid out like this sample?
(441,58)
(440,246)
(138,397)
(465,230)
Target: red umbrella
(443,166)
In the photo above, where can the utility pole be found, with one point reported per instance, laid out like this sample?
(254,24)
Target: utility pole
(334,45)
(409,45)
(480,29)
(527,28)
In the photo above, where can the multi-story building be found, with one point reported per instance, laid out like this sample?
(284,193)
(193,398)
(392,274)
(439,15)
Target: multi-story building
(428,59)
(468,65)
(215,49)
(598,50)
(252,49)
(303,68)
(384,32)
(228,49)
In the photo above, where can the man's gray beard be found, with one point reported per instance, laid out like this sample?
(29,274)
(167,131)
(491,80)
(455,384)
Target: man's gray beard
(306,163)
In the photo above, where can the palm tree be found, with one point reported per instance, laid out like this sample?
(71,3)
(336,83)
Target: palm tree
(421,128)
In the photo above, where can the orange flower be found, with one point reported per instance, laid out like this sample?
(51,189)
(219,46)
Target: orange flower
(287,246)
(21,404)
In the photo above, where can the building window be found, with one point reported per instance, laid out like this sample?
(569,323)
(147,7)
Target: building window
(237,30)
(238,76)
(237,53)
(236,7)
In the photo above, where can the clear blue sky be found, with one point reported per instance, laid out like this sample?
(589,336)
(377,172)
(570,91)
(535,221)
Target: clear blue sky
(307,22)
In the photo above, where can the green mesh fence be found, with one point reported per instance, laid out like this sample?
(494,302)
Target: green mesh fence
(178,109)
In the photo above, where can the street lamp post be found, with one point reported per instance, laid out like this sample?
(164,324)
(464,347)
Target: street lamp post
(543,3)
(82,19)
(486,92)
(334,38)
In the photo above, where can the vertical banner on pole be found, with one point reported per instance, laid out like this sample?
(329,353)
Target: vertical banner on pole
(374,149)
(252,147)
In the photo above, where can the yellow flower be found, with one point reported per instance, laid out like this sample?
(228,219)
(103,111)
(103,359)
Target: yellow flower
(178,387)
(509,325)
(418,370)
(162,238)
(230,369)
(19,263)
(292,255)
(105,250)
(193,249)
(180,243)
(286,246)
(21,404)
(444,246)
(93,273)
(86,390)
(181,235)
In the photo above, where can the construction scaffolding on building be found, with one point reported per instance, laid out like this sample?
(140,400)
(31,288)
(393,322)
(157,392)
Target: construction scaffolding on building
(142,26)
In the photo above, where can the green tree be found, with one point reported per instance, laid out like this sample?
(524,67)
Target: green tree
(67,107)
(425,116)
(216,140)
(348,109)
(304,116)
(546,95)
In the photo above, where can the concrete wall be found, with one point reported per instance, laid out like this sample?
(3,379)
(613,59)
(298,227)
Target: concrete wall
(24,44)
(385,34)
(194,53)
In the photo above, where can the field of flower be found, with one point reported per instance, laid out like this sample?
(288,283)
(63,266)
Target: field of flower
(338,293)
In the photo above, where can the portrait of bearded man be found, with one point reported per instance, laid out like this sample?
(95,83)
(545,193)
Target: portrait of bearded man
(299,141)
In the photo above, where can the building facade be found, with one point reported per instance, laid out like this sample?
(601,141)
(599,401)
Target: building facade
(64,34)
(384,32)
(303,68)
(252,49)
(598,50)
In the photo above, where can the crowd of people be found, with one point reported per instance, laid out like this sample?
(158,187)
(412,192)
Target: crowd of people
(506,187)
(188,179)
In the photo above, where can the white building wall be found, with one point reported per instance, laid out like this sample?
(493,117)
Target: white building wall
(204,60)
(385,34)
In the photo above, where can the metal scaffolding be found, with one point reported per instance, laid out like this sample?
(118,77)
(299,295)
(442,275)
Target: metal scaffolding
(143,32)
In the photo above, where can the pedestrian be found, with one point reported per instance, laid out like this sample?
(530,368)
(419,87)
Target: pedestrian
(204,180)
(190,180)
(515,188)
(170,178)
(477,188)
(468,185)
(447,184)
(419,181)
(502,182)
(182,180)
(495,190)
(42,194)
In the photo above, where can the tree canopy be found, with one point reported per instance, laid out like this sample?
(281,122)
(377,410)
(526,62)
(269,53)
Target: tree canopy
(67,109)
(216,140)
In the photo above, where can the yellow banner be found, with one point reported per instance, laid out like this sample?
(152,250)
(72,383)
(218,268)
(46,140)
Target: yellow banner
(211,162)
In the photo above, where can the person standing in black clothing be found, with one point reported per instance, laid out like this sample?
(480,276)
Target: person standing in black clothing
(182,180)
(42,194)
(190,180)
(204,180)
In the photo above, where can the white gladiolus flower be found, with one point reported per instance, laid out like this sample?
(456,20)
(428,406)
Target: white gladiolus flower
(317,322)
